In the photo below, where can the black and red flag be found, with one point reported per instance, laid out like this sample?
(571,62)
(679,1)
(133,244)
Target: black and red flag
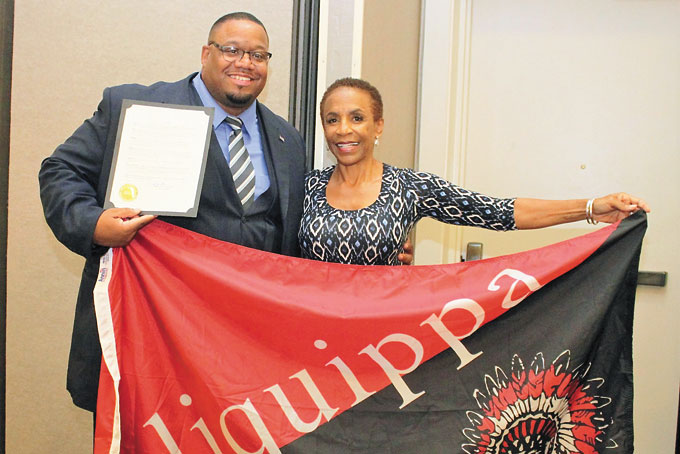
(215,348)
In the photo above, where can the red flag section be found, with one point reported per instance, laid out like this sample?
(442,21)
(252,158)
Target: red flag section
(212,347)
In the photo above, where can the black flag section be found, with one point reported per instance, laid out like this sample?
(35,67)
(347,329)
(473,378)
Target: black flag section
(554,374)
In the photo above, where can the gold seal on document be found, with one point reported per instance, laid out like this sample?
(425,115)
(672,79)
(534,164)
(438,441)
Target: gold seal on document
(128,192)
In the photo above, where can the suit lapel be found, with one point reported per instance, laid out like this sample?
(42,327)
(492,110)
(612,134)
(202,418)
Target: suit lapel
(272,138)
(278,148)
(189,96)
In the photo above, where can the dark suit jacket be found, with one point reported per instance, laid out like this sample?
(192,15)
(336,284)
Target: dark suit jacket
(73,185)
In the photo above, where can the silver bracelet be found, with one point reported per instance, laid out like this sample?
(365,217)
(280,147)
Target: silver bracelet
(589,212)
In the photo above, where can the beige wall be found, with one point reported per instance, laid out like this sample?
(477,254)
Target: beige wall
(65,53)
(390,62)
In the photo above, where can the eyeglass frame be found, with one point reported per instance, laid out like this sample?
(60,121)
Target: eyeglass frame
(241,53)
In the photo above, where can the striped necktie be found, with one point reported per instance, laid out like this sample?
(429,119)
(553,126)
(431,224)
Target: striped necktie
(239,162)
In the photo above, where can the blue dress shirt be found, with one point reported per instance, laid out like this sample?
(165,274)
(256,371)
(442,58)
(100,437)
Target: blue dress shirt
(251,134)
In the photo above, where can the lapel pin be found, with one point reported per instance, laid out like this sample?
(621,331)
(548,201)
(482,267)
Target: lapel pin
(281,138)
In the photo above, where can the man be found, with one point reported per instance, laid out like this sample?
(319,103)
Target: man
(73,180)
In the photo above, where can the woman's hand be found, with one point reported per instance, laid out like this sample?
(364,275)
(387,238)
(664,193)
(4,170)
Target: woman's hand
(614,207)
(406,257)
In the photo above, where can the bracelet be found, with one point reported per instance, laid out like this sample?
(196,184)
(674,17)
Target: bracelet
(589,212)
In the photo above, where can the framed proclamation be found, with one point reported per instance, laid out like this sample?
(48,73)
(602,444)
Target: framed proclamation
(159,158)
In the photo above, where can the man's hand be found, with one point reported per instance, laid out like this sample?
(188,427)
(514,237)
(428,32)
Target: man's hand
(406,257)
(116,227)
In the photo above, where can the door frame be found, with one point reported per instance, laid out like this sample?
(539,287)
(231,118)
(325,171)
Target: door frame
(304,57)
(6,40)
(441,132)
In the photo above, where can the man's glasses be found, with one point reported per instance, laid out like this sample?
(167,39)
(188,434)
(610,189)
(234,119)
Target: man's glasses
(231,53)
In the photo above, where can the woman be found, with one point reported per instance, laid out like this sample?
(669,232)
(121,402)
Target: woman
(361,210)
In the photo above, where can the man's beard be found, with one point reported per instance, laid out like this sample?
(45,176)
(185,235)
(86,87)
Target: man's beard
(234,100)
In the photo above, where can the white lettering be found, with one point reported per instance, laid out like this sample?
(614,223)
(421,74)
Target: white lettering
(157,423)
(185,399)
(315,394)
(360,393)
(200,425)
(253,416)
(456,345)
(530,282)
(393,373)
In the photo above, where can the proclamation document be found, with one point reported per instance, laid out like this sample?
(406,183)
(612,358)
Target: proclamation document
(160,157)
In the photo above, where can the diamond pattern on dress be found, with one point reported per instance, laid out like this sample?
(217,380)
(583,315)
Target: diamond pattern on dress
(375,235)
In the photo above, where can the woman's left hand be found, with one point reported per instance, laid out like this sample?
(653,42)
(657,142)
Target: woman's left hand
(614,207)
(406,257)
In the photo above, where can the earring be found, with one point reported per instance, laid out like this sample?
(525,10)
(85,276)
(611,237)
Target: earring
(376,142)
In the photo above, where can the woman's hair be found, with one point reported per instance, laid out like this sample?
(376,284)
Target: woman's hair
(351,82)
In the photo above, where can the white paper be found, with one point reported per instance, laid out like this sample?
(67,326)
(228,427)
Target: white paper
(160,158)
